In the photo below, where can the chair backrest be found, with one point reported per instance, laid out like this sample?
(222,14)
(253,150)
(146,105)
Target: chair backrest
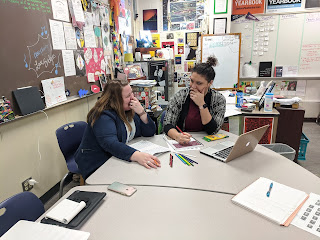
(160,122)
(69,137)
(22,206)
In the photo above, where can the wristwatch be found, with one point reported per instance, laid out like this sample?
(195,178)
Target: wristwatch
(203,107)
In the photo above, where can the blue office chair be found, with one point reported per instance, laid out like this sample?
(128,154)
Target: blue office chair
(22,206)
(69,137)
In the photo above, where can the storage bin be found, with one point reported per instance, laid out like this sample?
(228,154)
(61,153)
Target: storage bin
(282,149)
(303,147)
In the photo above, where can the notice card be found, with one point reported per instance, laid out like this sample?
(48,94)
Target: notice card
(308,218)
(54,91)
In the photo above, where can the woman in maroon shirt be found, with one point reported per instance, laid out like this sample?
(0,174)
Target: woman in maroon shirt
(197,108)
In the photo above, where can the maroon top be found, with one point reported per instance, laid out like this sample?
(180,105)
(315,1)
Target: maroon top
(193,120)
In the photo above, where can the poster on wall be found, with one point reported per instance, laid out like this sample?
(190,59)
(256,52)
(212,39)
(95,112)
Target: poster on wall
(312,4)
(191,45)
(241,7)
(283,6)
(150,21)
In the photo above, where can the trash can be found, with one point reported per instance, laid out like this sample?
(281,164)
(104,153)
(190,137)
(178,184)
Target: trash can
(282,149)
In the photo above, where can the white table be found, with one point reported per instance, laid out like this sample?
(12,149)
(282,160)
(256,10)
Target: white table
(209,174)
(167,213)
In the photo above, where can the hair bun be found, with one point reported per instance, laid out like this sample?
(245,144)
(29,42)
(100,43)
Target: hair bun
(212,61)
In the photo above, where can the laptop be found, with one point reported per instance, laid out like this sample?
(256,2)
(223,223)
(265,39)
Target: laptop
(227,151)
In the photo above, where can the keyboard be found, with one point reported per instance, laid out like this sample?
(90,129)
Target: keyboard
(224,153)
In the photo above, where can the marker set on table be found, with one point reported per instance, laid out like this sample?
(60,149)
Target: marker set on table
(184,159)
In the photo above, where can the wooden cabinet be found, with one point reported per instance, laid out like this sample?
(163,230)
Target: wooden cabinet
(290,127)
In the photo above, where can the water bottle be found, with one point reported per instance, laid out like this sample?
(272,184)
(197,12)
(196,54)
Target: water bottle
(268,102)
(239,99)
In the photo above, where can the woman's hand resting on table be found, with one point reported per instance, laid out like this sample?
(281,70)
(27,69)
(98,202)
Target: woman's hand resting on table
(145,159)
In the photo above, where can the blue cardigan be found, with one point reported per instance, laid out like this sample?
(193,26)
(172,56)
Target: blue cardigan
(108,138)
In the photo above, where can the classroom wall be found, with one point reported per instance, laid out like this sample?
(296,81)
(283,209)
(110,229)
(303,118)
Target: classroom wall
(311,100)
(29,147)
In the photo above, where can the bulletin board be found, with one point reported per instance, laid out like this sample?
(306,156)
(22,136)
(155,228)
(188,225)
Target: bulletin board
(25,35)
(286,40)
(226,48)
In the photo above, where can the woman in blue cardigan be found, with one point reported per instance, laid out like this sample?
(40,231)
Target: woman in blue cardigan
(116,118)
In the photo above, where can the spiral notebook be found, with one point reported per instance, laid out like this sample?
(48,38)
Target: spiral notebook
(274,201)
(82,203)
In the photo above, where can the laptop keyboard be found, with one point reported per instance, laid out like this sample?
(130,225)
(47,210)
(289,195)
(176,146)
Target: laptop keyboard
(224,153)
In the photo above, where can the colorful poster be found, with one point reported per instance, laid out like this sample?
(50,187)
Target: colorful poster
(156,39)
(178,59)
(191,45)
(241,7)
(54,91)
(150,21)
(180,48)
(98,37)
(190,66)
(79,63)
(168,45)
(283,6)
(93,58)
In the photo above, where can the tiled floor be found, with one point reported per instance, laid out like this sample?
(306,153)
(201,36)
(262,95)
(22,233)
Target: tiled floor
(312,163)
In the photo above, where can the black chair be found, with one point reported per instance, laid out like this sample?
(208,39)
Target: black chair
(22,206)
(69,137)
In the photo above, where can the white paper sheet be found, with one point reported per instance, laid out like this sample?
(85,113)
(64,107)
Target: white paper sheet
(27,230)
(77,9)
(60,10)
(278,207)
(70,36)
(57,35)
(220,6)
(68,63)
(290,71)
(65,211)
(308,218)
(54,90)
(89,38)
(149,147)
(220,26)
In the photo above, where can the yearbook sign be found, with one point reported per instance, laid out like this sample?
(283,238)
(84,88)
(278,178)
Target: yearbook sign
(283,5)
(242,7)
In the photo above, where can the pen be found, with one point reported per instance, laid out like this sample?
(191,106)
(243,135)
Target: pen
(171,160)
(270,188)
(179,130)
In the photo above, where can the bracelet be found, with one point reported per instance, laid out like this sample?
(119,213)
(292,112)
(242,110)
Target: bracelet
(141,114)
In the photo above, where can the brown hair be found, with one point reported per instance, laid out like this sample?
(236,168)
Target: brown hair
(111,99)
(206,69)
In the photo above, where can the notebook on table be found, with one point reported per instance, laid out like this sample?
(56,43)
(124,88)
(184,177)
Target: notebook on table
(91,200)
(227,151)
(276,202)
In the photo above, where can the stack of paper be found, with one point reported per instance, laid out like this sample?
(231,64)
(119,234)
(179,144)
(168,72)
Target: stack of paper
(65,211)
(281,206)
(149,147)
(38,231)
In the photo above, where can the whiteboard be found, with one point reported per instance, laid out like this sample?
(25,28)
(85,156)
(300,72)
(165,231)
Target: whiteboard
(226,48)
(286,40)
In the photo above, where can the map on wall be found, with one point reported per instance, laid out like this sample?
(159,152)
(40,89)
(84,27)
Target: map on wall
(185,15)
